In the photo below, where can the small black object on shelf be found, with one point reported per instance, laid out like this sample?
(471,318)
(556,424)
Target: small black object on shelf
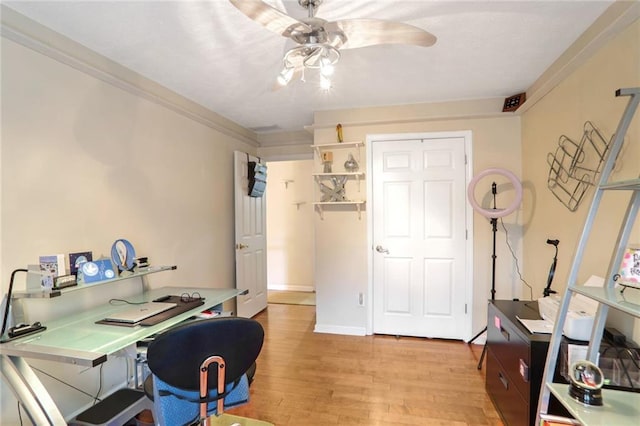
(24,329)
(552,270)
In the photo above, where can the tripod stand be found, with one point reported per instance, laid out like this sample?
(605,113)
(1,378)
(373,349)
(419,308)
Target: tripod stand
(494,228)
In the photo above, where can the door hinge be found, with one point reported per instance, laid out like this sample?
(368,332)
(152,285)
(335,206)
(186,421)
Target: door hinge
(465,308)
(465,160)
(466,234)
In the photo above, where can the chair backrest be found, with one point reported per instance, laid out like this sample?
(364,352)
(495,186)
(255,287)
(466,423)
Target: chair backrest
(176,355)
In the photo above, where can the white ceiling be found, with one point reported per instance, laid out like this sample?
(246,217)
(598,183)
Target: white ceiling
(214,55)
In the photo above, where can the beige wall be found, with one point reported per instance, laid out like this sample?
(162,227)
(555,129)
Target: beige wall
(85,163)
(587,94)
(290,244)
(341,238)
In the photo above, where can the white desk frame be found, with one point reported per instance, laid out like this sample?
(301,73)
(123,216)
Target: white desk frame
(78,340)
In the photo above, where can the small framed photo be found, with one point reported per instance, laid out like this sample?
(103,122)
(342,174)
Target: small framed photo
(77,259)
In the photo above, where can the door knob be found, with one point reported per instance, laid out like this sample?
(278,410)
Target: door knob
(381,249)
(241,246)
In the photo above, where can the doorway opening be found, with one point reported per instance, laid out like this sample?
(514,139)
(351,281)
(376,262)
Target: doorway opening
(290,232)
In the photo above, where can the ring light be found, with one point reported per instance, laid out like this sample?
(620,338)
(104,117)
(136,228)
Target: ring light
(495,213)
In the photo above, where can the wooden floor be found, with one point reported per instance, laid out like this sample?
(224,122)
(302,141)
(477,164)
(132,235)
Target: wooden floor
(307,378)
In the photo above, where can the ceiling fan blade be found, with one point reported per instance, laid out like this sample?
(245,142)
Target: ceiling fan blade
(270,17)
(369,32)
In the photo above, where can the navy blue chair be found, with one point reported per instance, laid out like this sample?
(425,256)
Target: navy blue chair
(199,369)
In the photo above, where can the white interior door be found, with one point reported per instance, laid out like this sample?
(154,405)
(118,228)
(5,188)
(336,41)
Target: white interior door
(419,237)
(251,253)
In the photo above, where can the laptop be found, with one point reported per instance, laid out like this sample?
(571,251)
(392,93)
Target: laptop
(140,312)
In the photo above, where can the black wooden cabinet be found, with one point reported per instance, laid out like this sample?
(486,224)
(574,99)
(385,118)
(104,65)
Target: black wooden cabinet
(515,361)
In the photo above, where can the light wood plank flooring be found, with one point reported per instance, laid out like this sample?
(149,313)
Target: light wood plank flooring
(307,378)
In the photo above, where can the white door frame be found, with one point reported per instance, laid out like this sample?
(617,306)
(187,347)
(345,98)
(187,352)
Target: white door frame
(469,296)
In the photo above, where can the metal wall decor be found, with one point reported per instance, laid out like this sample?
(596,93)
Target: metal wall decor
(574,167)
(337,193)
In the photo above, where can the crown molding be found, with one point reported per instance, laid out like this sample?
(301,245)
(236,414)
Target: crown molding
(34,36)
(612,22)
(410,113)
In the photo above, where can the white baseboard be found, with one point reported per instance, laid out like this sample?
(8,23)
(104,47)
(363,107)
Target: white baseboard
(337,329)
(289,287)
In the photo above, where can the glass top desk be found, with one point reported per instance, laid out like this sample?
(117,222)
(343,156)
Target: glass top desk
(77,339)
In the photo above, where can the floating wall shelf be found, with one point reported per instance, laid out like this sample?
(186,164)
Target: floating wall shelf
(321,206)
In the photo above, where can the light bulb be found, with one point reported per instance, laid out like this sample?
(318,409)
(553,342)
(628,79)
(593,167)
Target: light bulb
(326,67)
(325,82)
(285,76)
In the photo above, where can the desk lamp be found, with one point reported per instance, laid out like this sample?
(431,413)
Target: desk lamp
(19,329)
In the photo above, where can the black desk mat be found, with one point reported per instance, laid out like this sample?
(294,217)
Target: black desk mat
(181,306)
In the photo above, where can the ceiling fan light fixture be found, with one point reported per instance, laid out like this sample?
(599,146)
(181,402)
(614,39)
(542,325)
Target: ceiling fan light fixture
(318,40)
(322,57)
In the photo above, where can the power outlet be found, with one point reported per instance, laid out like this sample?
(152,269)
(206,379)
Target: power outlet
(360,299)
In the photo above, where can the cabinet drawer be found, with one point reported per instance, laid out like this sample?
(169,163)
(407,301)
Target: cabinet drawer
(513,408)
(510,350)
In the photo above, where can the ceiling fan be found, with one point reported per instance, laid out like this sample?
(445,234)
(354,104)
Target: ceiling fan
(319,41)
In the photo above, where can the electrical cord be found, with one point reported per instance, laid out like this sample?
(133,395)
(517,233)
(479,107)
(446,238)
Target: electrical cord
(506,237)
(536,309)
(125,302)
(20,413)
(69,384)
(95,398)
(64,383)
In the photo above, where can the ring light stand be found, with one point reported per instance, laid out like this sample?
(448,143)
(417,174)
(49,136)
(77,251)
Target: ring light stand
(493,214)
(494,230)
